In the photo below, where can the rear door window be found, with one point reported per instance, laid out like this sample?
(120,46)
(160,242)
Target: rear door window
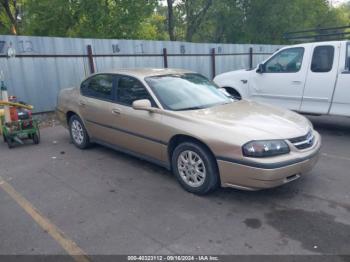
(322,59)
(99,86)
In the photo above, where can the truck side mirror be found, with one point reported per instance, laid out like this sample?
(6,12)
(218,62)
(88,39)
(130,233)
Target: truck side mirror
(261,69)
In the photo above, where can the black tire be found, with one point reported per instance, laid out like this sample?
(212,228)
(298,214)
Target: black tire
(85,142)
(36,138)
(4,138)
(211,180)
(10,142)
(233,92)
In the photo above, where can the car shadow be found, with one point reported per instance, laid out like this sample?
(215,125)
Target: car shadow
(132,160)
(326,125)
(286,191)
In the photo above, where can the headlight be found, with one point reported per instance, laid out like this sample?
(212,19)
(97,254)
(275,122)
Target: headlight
(265,148)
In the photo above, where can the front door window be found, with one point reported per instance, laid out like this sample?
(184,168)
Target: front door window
(286,61)
(130,89)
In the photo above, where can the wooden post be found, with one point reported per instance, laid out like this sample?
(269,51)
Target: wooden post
(250,57)
(91,59)
(165,58)
(213,67)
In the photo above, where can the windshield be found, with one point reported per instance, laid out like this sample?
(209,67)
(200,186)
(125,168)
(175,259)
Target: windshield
(186,91)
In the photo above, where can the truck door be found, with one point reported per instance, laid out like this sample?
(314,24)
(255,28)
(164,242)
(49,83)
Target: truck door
(341,98)
(281,78)
(321,78)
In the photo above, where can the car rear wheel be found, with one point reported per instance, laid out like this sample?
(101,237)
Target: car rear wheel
(78,132)
(195,168)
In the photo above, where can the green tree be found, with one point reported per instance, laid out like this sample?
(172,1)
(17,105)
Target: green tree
(194,13)
(343,12)
(249,21)
(226,21)
(280,16)
(185,17)
(51,17)
(10,17)
(222,24)
(170,19)
(88,18)
(153,28)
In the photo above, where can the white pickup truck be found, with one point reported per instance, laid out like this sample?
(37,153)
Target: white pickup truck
(308,78)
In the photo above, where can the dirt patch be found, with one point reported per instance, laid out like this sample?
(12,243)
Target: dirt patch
(252,223)
(46,119)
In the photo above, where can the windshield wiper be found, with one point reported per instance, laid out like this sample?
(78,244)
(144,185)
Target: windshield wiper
(190,108)
(202,107)
(225,103)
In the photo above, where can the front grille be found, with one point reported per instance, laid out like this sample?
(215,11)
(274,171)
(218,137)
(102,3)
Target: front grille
(303,142)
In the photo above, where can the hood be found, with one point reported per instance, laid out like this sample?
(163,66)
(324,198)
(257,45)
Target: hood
(256,120)
(239,73)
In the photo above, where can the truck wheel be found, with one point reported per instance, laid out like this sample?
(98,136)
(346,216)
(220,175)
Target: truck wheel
(195,168)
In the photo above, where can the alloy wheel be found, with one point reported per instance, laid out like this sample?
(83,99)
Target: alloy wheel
(191,168)
(77,132)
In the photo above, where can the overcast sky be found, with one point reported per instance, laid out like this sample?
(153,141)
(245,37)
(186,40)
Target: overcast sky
(338,2)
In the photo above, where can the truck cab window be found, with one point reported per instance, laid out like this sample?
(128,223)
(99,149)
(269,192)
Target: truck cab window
(287,61)
(322,59)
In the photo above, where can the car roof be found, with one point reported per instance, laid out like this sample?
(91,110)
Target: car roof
(145,72)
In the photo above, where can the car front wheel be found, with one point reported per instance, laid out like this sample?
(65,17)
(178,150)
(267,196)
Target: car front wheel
(78,132)
(195,168)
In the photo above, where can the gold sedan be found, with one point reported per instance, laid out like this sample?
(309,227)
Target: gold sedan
(184,122)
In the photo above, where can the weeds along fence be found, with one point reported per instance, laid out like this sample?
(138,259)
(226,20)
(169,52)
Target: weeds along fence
(44,65)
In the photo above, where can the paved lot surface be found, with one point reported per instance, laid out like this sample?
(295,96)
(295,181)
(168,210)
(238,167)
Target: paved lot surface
(111,203)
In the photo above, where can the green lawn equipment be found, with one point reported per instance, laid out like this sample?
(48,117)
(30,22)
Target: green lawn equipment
(24,127)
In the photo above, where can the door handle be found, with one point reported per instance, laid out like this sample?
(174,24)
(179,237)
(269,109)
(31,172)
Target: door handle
(116,111)
(297,82)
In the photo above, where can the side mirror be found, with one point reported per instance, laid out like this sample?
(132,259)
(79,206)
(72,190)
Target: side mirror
(143,104)
(261,69)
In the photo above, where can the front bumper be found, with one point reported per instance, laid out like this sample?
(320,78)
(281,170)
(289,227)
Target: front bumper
(249,175)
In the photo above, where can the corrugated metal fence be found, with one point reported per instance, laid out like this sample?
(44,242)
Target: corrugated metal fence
(44,65)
